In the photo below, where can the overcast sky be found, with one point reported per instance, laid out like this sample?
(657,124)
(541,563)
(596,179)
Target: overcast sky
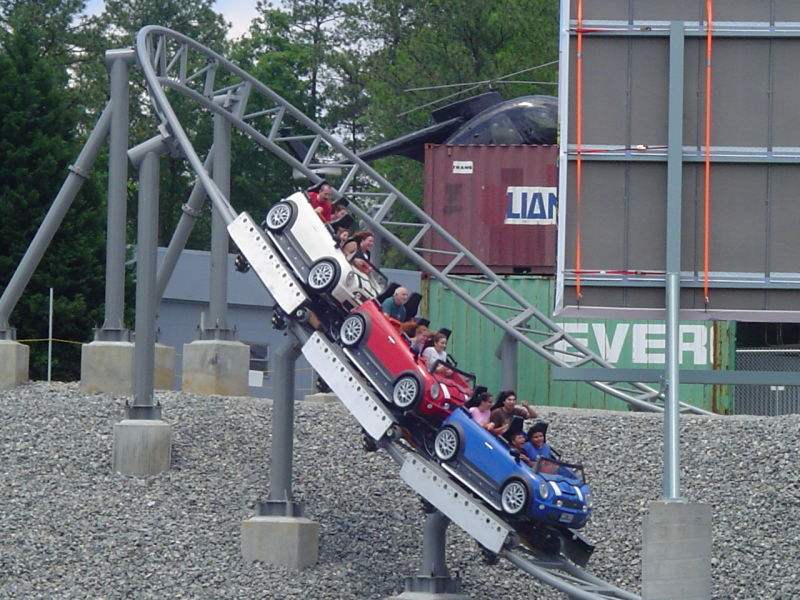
(238,12)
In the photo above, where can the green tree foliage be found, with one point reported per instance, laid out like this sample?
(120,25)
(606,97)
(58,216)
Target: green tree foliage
(36,146)
(465,47)
(348,64)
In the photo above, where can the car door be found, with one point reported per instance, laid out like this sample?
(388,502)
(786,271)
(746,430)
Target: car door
(488,454)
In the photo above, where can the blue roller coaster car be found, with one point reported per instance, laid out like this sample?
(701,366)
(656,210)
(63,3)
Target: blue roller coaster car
(550,493)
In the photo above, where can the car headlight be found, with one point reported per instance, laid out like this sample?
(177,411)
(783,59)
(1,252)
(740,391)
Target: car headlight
(350,279)
(436,389)
(544,490)
(589,500)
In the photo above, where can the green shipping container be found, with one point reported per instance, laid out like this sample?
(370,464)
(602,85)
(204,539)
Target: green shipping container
(625,344)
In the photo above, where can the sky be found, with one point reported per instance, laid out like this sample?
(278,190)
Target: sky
(238,12)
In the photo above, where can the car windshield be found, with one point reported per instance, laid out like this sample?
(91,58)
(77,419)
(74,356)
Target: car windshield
(369,273)
(378,280)
(547,466)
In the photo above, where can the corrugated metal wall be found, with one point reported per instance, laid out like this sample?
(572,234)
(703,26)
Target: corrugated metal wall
(627,344)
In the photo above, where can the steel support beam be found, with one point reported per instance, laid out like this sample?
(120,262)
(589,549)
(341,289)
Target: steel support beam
(671,482)
(686,376)
(113,329)
(146,158)
(280,500)
(217,326)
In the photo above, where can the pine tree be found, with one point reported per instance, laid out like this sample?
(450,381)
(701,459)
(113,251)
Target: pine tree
(36,147)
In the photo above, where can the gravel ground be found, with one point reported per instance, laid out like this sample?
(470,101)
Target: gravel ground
(70,528)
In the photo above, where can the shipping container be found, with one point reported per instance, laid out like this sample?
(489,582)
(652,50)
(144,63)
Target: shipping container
(501,202)
(624,343)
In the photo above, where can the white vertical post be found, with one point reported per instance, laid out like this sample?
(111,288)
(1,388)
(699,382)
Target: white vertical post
(50,338)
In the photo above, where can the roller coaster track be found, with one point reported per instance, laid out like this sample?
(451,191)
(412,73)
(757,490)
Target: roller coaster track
(175,64)
(171,61)
(433,484)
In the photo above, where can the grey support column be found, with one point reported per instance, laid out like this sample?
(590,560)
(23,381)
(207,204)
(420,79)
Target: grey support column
(280,500)
(217,325)
(216,363)
(672,292)
(107,362)
(433,579)
(278,534)
(146,158)
(142,441)
(113,329)
(507,353)
(676,539)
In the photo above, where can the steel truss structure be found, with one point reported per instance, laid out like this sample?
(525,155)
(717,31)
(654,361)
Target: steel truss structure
(175,64)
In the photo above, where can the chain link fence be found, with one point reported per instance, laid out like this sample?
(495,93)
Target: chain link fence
(767,400)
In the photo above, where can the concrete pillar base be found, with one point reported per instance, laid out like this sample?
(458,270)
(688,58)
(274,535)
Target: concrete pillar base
(676,551)
(108,367)
(142,447)
(14,364)
(429,596)
(324,398)
(291,542)
(216,367)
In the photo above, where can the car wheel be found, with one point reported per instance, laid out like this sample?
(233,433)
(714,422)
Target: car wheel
(514,497)
(428,443)
(279,216)
(322,275)
(406,392)
(446,444)
(353,329)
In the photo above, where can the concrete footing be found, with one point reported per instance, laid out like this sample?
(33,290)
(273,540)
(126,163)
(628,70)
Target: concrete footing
(108,367)
(142,447)
(676,551)
(14,364)
(428,596)
(291,542)
(322,397)
(409,595)
(216,367)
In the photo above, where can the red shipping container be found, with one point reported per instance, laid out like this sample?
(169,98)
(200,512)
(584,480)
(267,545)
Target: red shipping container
(501,202)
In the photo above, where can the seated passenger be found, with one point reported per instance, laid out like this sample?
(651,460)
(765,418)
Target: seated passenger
(321,198)
(417,336)
(359,249)
(481,409)
(339,214)
(363,241)
(517,442)
(394,306)
(342,237)
(505,408)
(536,444)
(435,353)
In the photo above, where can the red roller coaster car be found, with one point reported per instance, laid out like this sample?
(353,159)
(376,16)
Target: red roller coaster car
(385,358)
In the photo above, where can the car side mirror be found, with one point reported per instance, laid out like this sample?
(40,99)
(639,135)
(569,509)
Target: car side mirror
(515,453)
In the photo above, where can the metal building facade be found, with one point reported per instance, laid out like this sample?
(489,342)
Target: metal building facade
(652,80)
(499,201)
(625,343)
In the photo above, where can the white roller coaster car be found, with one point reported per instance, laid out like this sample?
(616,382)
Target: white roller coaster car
(308,245)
